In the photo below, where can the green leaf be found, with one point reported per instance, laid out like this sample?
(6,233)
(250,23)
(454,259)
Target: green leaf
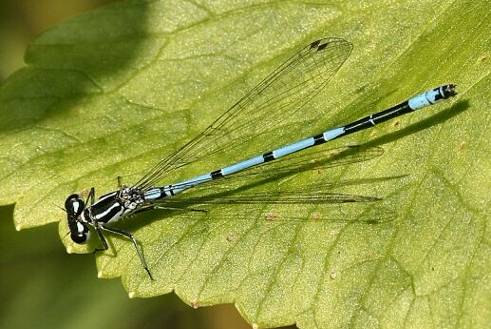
(53,287)
(110,92)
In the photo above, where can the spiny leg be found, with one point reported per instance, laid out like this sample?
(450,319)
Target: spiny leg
(132,239)
(102,238)
(91,196)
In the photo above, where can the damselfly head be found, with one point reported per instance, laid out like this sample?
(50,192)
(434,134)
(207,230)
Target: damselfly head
(79,231)
(74,205)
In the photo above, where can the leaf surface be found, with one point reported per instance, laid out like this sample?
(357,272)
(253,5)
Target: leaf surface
(111,92)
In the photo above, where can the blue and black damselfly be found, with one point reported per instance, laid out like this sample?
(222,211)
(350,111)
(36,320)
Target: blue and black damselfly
(278,101)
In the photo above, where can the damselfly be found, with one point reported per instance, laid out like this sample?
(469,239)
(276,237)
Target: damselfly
(278,101)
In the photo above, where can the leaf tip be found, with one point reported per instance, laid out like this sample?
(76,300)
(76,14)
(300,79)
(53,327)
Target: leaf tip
(18,227)
(69,249)
(131,294)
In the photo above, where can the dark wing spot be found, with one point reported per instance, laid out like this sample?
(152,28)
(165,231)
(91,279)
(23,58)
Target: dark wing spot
(314,44)
(322,47)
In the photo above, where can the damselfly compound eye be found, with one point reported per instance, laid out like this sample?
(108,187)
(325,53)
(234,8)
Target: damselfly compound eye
(81,234)
(74,205)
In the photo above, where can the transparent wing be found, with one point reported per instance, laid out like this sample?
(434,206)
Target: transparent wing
(313,194)
(301,193)
(313,159)
(273,104)
(370,213)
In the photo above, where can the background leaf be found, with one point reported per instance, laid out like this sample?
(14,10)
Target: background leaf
(110,92)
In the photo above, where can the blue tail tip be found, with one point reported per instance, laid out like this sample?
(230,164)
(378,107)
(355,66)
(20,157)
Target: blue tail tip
(448,90)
